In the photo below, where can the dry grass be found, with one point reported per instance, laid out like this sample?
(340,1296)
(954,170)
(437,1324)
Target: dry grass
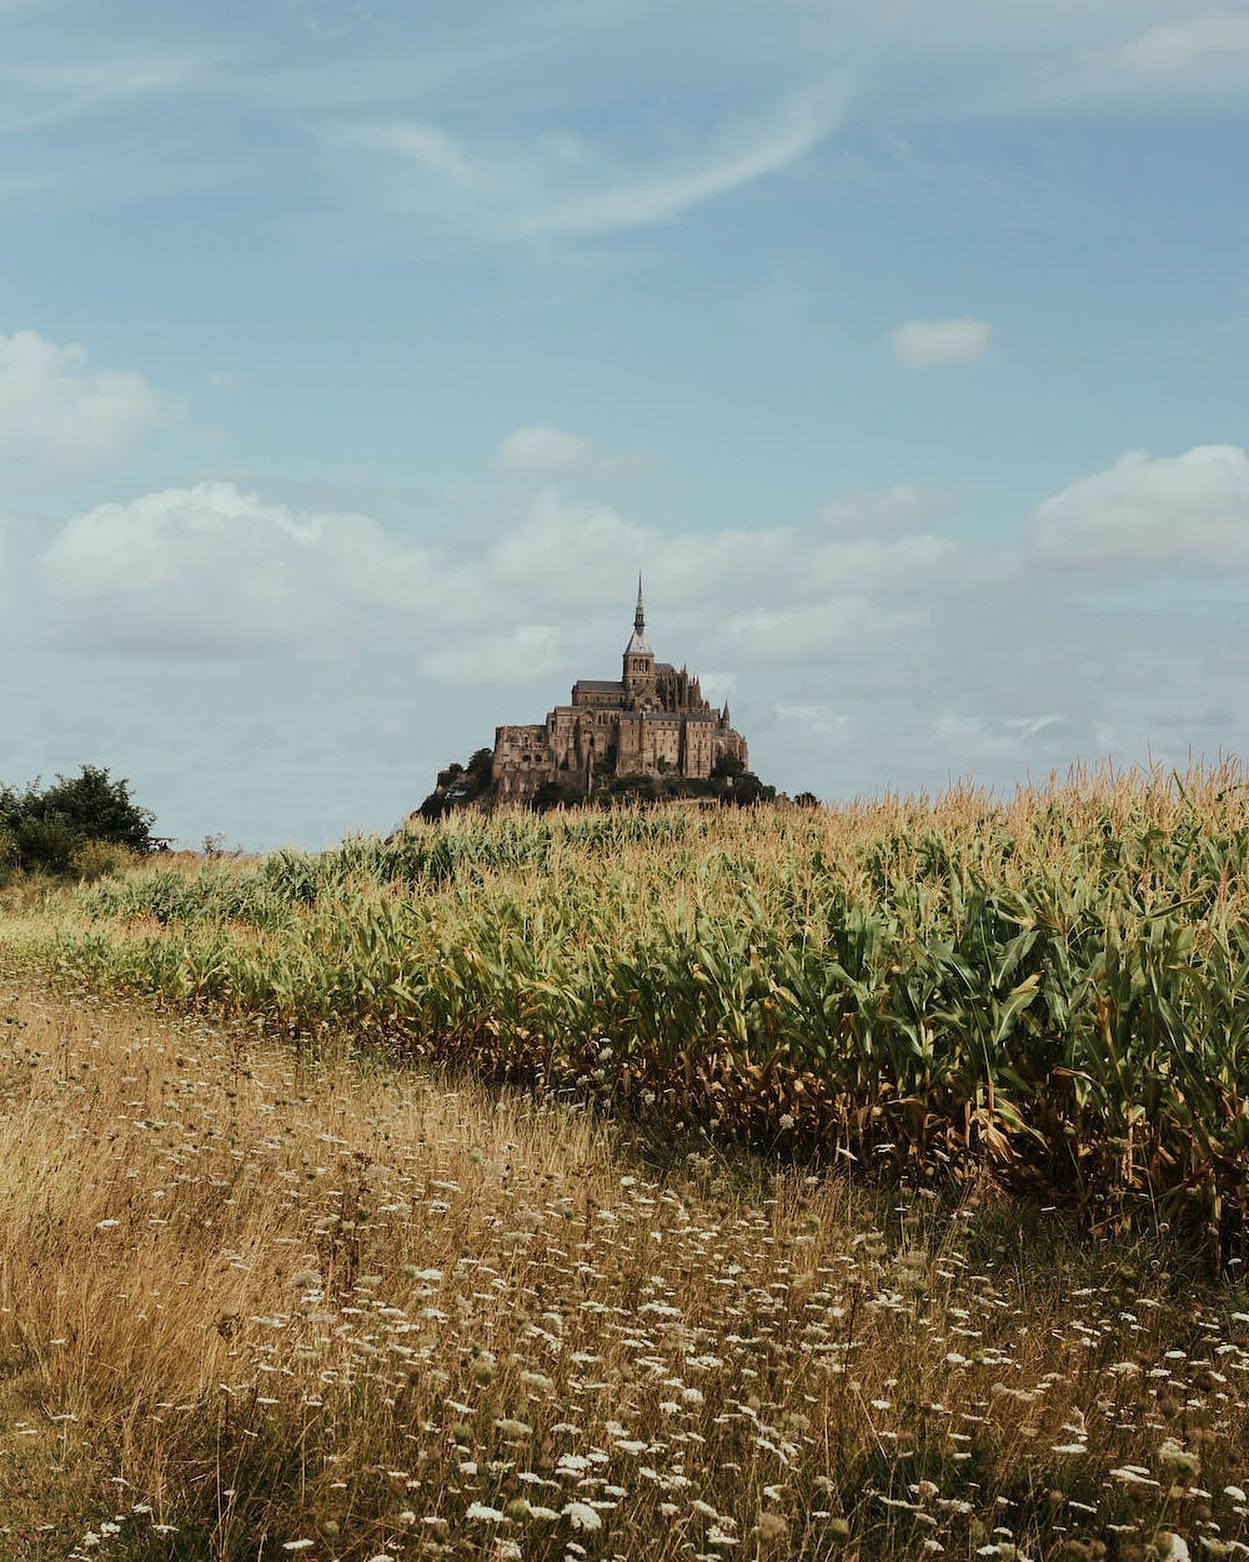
(253,1305)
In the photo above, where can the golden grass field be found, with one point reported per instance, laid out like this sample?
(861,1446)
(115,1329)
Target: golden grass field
(258,1306)
(638,1186)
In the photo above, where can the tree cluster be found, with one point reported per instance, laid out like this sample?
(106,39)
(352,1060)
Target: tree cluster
(84,824)
(729,785)
(460,786)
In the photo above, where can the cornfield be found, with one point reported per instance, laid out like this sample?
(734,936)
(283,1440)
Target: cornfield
(1048,992)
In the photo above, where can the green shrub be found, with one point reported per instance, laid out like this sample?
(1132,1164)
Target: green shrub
(94,860)
(46,826)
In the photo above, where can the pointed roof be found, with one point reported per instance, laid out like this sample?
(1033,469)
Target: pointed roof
(638,644)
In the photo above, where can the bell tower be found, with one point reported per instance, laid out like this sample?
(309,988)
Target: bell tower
(639,659)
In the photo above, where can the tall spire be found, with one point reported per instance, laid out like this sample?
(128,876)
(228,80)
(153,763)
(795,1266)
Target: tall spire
(637,645)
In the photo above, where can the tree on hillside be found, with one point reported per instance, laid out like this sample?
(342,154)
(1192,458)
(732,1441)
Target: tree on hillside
(460,786)
(747,789)
(555,794)
(45,827)
(727,768)
(481,768)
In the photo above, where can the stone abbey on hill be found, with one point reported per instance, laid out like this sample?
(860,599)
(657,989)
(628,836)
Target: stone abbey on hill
(651,721)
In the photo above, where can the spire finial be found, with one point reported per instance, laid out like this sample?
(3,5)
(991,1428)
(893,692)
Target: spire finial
(639,617)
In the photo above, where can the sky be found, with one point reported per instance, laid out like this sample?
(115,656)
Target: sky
(354,358)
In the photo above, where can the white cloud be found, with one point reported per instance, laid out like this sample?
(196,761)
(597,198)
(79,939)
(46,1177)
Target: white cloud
(857,661)
(1182,47)
(976,737)
(560,552)
(927,344)
(717,686)
(54,410)
(560,185)
(545,120)
(1189,509)
(528,651)
(886,509)
(212,571)
(814,632)
(545,450)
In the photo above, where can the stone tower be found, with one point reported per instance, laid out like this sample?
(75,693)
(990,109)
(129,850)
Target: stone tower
(638,672)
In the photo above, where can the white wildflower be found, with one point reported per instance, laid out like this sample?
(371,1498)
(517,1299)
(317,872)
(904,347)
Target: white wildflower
(480,1510)
(582,1516)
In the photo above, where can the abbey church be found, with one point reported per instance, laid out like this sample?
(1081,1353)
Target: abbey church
(652,721)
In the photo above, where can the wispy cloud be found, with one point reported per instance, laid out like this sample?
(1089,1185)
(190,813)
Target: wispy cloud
(1180,47)
(37,96)
(548,121)
(561,185)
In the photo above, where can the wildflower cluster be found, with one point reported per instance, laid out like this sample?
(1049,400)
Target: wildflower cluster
(330,1308)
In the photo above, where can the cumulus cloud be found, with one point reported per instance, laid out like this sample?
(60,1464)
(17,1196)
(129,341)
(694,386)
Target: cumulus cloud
(215,571)
(546,451)
(928,344)
(1191,509)
(55,410)
(561,551)
(211,570)
(856,659)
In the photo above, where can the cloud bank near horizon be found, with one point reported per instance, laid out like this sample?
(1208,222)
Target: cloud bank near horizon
(827,634)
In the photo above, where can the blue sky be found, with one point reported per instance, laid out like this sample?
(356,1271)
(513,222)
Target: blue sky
(354,358)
